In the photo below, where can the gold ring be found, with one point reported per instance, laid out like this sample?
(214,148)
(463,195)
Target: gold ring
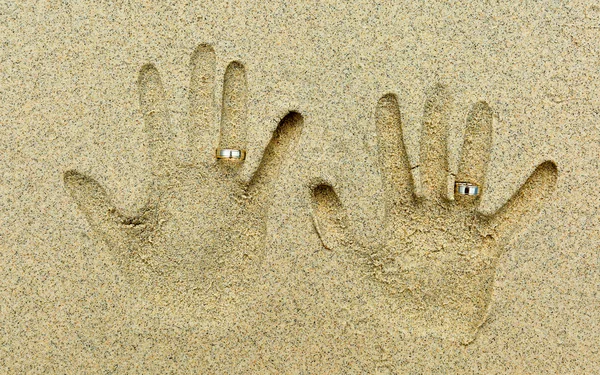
(467,188)
(230,153)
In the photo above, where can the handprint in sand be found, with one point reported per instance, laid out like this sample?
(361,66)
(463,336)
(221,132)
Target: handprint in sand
(202,223)
(437,256)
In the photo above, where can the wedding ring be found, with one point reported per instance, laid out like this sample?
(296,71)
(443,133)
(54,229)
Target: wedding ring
(229,153)
(465,188)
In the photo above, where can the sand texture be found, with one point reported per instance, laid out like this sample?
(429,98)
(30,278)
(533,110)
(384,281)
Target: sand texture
(339,245)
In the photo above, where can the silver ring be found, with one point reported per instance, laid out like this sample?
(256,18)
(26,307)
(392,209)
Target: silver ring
(465,188)
(230,153)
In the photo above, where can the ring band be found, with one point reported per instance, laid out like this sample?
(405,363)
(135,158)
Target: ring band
(229,153)
(465,188)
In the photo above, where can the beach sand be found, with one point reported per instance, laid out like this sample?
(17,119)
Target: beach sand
(339,244)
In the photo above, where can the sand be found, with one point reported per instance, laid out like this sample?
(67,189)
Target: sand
(339,244)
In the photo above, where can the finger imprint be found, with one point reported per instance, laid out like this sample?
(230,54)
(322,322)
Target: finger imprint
(329,217)
(161,138)
(393,159)
(524,206)
(233,121)
(97,207)
(434,143)
(202,127)
(475,154)
(281,145)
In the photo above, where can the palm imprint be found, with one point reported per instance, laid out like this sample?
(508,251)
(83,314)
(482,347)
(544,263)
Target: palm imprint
(202,223)
(437,255)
